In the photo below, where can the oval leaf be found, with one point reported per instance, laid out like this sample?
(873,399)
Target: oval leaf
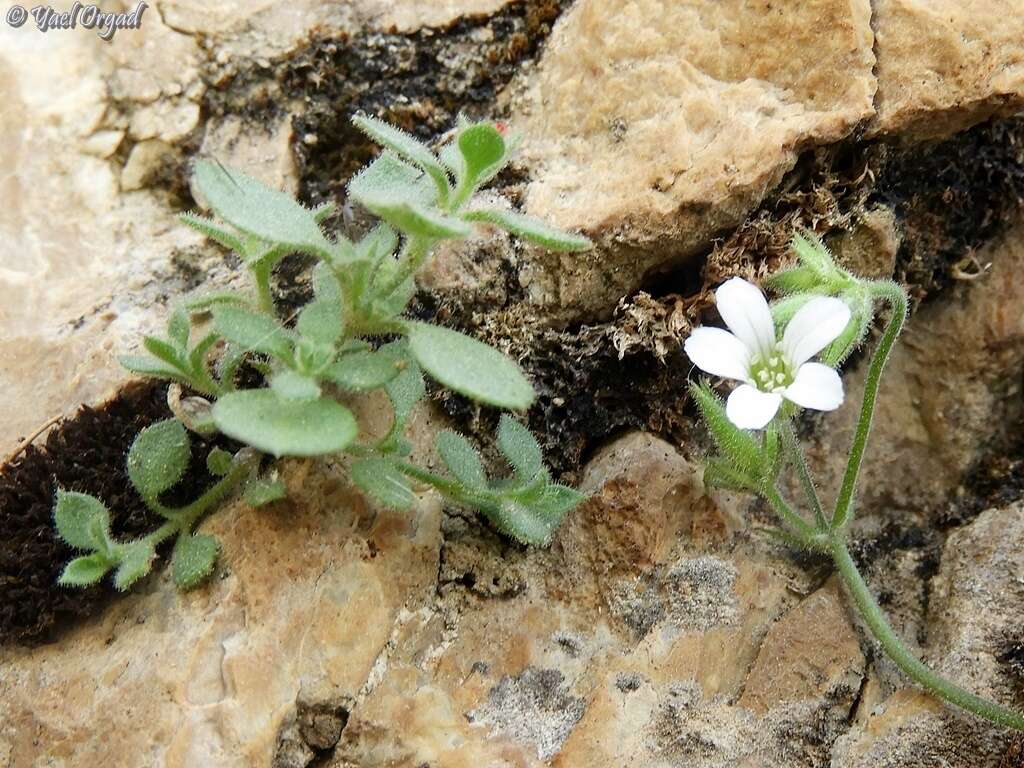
(362,371)
(136,561)
(84,571)
(260,418)
(461,459)
(158,457)
(193,559)
(531,229)
(382,481)
(483,152)
(469,367)
(253,332)
(77,517)
(520,448)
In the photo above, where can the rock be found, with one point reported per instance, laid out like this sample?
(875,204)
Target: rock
(810,653)
(146,158)
(654,125)
(945,66)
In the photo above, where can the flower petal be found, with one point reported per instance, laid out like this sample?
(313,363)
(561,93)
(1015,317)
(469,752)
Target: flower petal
(745,311)
(718,352)
(816,386)
(750,408)
(815,325)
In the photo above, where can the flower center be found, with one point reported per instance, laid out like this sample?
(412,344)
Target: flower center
(771,374)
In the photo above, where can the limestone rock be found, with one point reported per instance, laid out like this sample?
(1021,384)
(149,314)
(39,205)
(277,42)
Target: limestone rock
(944,66)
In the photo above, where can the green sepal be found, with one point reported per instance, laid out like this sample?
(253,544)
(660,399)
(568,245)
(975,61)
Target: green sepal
(193,559)
(84,571)
(738,445)
(529,228)
(158,457)
(383,482)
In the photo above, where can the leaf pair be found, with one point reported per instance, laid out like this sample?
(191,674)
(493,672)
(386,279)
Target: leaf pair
(527,505)
(411,188)
(171,357)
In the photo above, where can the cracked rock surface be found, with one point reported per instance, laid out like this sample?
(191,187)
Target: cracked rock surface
(659,630)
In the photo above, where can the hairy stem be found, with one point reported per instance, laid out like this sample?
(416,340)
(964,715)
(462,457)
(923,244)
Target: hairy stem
(796,456)
(897,301)
(799,527)
(901,655)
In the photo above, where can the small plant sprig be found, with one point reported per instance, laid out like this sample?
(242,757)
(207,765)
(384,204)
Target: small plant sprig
(825,311)
(351,338)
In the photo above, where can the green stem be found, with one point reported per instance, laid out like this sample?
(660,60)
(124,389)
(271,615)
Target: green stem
(411,257)
(796,456)
(800,527)
(897,300)
(264,296)
(901,655)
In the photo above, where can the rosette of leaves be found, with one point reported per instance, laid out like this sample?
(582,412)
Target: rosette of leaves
(157,460)
(353,336)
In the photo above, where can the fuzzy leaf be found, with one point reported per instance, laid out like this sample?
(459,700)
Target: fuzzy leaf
(178,327)
(267,422)
(290,385)
(158,457)
(556,501)
(483,152)
(461,459)
(218,462)
(260,492)
(147,366)
(404,391)
(207,301)
(381,480)
(253,332)
(735,444)
(321,321)
(406,147)
(415,219)
(193,559)
(388,178)
(363,371)
(79,517)
(209,227)
(531,229)
(326,286)
(393,305)
(468,366)
(259,210)
(520,448)
(136,561)
(84,571)
(165,352)
(521,522)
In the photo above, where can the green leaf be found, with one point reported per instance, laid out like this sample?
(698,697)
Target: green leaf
(197,357)
(193,559)
(556,501)
(415,219)
(469,367)
(259,210)
(381,480)
(461,459)
(483,152)
(520,447)
(326,286)
(214,298)
(406,147)
(404,391)
(258,417)
(260,492)
(253,332)
(209,227)
(136,562)
(394,304)
(147,366)
(158,457)
(178,327)
(521,522)
(321,321)
(161,350)
(363,371)
(389,178)
(323,211)
(531,229)
(719,473)
(78,516)
(294,386)
(218,462)
(84,571)
(736,444)
(381,241)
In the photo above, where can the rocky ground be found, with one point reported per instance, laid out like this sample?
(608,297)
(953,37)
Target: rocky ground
(687,139)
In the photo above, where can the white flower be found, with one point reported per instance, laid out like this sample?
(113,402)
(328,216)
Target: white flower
(770,369)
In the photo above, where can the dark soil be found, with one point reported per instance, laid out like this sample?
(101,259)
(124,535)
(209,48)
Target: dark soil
(85,453)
